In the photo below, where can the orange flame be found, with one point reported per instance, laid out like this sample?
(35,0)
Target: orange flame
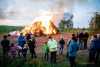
(41,25)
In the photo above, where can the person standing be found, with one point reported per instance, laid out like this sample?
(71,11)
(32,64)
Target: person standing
(46,51)
(69,41)
(9,38)
(52,44)
(13,51)
(5,45)
(31,43)
(72,51)
(92,50)
(61,43)
(81,43)
(97,46)
(85,38)
(24,51)
(28,36)
(21,42)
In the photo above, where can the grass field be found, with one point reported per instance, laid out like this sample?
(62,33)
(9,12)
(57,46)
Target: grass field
(62,61)
(7,29)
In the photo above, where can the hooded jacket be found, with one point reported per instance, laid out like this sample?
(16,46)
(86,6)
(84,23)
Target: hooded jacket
(73,48)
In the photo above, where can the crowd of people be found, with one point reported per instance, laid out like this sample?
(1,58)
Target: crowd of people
(20,47)
(50,48)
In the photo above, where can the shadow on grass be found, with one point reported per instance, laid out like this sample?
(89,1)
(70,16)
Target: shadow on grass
(38,63)
(88,65)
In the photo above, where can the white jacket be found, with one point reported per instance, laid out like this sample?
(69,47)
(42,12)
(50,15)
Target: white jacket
(52,44)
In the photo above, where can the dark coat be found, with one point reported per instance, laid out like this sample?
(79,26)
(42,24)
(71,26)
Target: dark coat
(62,42)
(5,44)
(31,43)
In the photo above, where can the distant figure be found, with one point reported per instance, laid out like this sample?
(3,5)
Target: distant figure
(5,46)
(92,50)
(9,38)
(46,51)
(72,51)
(21,42)
(97,46)
(61,43)
(32,45)
(85,38)
(81,43)
(28,36)
(13,50)
(52,44)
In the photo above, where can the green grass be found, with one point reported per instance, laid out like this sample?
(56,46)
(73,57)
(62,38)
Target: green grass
(62,61)
(7,29)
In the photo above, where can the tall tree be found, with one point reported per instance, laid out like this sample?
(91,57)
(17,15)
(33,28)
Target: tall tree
(97,20)
(95,23)
(61,25)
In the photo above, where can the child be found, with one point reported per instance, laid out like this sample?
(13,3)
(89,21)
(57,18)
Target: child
(61,42)
(13,50)
(24,51)
(45,50)
(19,48)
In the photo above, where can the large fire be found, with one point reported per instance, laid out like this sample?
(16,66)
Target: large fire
(41,26)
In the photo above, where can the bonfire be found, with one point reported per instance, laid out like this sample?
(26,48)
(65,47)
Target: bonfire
(41,26)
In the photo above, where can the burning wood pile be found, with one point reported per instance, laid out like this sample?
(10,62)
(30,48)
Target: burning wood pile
(41,27)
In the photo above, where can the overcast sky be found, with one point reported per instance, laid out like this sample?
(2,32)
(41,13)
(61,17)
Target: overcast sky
(23,12)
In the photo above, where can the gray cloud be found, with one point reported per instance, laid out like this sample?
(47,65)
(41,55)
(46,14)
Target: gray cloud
(2,9)
(23,11)
(20,8)
(2,14)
